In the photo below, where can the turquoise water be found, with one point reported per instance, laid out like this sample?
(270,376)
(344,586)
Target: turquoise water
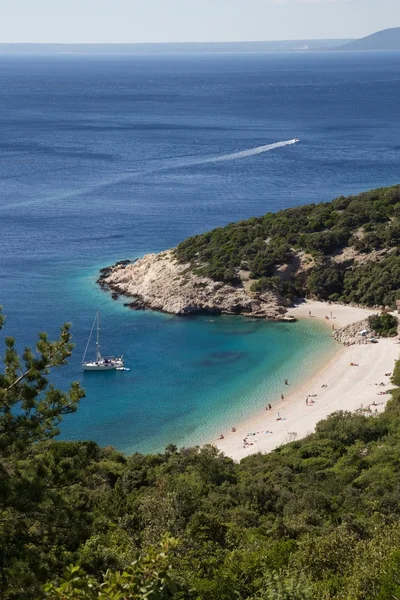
(108,157)
(192,378)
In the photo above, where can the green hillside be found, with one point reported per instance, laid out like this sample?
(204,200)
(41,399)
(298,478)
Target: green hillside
(318,519)
(346,250)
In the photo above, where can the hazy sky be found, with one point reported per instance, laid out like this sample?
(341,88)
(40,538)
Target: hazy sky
(191,20)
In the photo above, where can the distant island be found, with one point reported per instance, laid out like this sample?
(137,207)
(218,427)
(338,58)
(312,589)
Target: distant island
(388,39)
(346,250)
(174,48)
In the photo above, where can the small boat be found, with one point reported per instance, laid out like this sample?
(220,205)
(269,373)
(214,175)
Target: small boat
(100,363)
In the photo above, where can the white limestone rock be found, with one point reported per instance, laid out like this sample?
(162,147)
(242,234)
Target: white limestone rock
(159,282)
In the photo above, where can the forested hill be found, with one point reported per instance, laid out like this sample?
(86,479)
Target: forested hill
(387,39)
(317,519)
(346,250)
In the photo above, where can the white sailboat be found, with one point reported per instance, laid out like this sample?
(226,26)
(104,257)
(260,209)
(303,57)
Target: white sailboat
(101,363)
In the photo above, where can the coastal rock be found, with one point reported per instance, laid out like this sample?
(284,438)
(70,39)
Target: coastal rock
(136,304)
(350,334)
(160,282)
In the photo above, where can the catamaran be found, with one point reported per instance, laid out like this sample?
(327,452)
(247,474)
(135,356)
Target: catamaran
(100,363)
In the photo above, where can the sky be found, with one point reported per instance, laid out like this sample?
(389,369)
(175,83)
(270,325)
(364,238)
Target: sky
(125,21)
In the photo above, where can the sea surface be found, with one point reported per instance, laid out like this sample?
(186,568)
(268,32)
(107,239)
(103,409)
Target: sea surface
(104,158)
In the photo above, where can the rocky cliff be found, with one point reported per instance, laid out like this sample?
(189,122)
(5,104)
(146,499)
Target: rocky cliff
(160,282)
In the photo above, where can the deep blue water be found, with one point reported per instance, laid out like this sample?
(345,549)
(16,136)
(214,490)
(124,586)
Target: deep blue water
(108,157)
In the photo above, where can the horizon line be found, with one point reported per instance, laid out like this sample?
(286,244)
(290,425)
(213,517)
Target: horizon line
(180,42)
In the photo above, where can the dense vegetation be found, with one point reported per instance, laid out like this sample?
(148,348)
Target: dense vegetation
(367,223)
(385,325)
(316,519)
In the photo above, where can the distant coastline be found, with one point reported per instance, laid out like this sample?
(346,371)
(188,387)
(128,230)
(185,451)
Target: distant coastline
(387,39)
(173,48)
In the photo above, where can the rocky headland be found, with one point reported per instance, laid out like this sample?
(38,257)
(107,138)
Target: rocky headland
(344,251)
(160,282)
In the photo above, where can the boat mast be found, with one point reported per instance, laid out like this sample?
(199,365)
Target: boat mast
(98,355)
(88,342)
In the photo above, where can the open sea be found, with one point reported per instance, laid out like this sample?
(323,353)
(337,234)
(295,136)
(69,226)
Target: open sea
(104,158)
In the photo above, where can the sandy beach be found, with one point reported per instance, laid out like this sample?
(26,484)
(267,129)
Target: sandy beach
(339,386)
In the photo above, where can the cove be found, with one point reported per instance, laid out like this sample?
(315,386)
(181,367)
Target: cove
(190,377)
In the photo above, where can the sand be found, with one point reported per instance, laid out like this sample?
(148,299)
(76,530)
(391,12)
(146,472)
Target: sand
(348,388)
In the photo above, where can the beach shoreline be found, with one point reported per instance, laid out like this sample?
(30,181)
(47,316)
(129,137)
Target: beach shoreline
(350,381)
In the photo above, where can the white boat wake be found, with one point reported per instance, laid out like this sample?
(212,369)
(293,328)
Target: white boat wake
(251,152)
(170,165)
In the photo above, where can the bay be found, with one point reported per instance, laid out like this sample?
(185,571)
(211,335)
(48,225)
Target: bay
(109,157)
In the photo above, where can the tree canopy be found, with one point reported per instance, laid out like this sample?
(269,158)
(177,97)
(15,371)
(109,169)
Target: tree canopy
(367,226)
(315,519)
(385,324)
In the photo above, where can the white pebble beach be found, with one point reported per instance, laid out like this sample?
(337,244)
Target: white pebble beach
(346,387)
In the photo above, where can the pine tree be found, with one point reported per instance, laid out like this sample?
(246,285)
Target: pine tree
(31,409)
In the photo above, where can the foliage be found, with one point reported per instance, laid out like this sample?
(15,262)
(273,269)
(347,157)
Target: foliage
(265,284)
(365,223)
(146,578)
(33,512)
(316,519)
(30,407)
(326,282)
(396,374)
(373,284)
(385,324)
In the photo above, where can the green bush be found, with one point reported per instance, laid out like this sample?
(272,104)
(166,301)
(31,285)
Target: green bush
(385,324)
(396,374)
(265,284)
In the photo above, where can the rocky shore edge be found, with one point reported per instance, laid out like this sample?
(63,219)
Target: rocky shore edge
(159,282)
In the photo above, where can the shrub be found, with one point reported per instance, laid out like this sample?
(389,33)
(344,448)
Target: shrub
(385,324)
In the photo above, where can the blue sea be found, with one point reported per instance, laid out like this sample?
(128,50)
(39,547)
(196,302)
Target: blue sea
(104,158)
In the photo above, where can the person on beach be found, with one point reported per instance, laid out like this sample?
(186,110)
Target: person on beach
(282,397)
(269,407)
(222,437)
(309,313)
(233,429)
(286,382)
